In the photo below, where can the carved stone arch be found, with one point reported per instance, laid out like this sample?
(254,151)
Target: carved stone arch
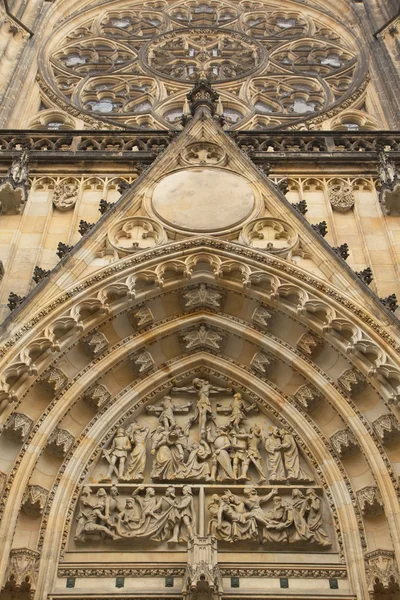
(267,282)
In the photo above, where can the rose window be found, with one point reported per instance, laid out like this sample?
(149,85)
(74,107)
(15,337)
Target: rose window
(133,66)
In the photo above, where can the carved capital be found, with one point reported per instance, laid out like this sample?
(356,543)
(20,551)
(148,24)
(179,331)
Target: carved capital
(142,362)
(351,381)
(22,570)
(97,396)
(95,344)
(55,380)
(370,501)
(388,428)
(307,397)
(34,500)
(308,344)
(60,442)
(261,362)
(18,427)
(382,574)
(344,443)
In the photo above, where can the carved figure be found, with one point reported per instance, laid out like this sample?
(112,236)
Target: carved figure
(204,413)
(237,410)
(19,170)
(137,458)
(202,295)
(314,518)
(202,337)
(232,510)
(276,471)
(291,458)
(187,516)
(221,465)
(253,453)
(65,196)
(130,516)
(168,447)
(90,522)
(118,453)
(196,466)
(166,411)
(253,502)
(241,460)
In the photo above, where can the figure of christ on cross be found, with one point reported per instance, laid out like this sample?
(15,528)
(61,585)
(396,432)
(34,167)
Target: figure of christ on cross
(203,413)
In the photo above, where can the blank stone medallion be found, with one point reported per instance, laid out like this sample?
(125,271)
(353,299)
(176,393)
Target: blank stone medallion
(203,200)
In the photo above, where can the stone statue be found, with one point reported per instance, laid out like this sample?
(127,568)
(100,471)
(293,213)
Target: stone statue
(118,453)
(196,466)
(253,453)
(253,503)
(237,411)
(276,471)
(204,413)
(291,458)
(19,170)
(187,516)
(168,448)
(241,461)
(94,522)
(221,465)
(166,412)
(137,459)
(314,518)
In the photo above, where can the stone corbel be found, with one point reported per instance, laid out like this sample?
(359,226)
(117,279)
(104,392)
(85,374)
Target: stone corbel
(261,362)
(60,442)
(18,427)
(141,317)
(21,575)
(203,295)
(261,317)
(344,443)
(34,500)
(97,396)
(204,336)
(382,574)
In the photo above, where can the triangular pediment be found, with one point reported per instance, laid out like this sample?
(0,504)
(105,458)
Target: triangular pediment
(204,186)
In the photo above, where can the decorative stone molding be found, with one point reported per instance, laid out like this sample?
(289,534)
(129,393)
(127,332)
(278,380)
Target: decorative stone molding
(97,396)
(390,302)
(39,274)
(203,577)
(136,233)
(85,227)
(308,344)
(55,380)
(3,482)
(65,195)
(351,381)
(18,427)
(104,206)
(203,295)
(95,343)
(34,500)
(342,251)
(308,397)
(60,442)
(14,300)
(382,574)
(63,249)
(365,275)
(260,362)
(344,443)
(270,234)
(141,317)
(261,317)
(321,228)
(370,501)
(142,362)
(341,196)
(301,207)
(21,575)
(388,428)
(203,337)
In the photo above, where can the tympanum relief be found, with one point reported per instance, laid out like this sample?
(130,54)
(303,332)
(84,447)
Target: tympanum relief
(202,460)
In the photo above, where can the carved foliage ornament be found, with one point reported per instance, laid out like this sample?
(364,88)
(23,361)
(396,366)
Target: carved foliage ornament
(203,153)
(136,233)
(65,195)
(341,196)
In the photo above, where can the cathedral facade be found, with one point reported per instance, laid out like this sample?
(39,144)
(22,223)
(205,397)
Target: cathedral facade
(200,266)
